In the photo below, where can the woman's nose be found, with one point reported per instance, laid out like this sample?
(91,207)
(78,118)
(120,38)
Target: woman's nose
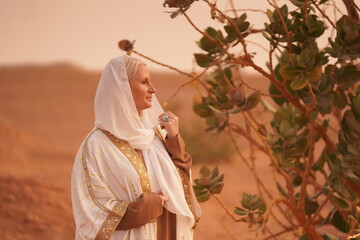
(152,89)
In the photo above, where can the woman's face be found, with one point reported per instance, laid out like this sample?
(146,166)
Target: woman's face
(141,88)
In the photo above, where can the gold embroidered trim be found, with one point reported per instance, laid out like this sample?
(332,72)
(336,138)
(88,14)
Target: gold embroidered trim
(112,221)
(188,195)
(186,184)
(133,158)
(115,215)
(105,143)
(87,176)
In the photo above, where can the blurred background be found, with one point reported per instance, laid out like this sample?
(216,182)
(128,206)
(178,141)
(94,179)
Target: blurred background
(51,57)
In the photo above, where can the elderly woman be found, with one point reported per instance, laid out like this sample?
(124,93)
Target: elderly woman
(131,176)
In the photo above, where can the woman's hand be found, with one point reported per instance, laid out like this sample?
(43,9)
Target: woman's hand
(170,123)
(163,199)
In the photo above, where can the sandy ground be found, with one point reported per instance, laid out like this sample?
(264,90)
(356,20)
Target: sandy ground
(45,112)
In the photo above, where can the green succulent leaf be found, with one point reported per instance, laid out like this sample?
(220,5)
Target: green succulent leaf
(282,190)
(252,100)
(204,197)
(241,211)
(202,109)
(206,182)
(340,203)
(214,172)
(205,171)
(299,83)
(310,206)
(338,221)
(217,188)
(207,44)
(203,60)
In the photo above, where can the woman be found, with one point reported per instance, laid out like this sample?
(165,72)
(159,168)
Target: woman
(131,176)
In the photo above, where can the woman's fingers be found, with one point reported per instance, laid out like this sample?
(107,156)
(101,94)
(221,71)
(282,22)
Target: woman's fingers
(167,116)
(170,114)
(163,199)
(169,122)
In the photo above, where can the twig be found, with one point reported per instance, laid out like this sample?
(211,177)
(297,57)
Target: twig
(329,143)
(241,38)
(351,10)
(227,229)
(285,26)
(278,233)
(336,8)
(323,13)
(253,30)
(311,180)
(258,179)
(313,97)
(246,10)
(252,158)
(274,203)
(257,44)
(233,7)
(242,132)
(162,64)
(272,157)
(308,166)
(189,82)
(179,71)
(221,45)
(305,8)
(278,221)
(318,211)
(226,209)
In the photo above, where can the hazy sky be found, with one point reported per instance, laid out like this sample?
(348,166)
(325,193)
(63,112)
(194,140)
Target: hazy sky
(86,32)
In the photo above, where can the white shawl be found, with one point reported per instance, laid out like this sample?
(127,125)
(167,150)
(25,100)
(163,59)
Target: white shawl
(103,179)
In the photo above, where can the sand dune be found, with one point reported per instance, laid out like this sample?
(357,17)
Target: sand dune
(31,209)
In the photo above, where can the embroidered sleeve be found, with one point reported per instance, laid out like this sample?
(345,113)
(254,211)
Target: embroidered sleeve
(144,210)
(189,194)
(112,221)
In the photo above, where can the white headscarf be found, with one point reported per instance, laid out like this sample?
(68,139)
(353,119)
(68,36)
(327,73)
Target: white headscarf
(115,111)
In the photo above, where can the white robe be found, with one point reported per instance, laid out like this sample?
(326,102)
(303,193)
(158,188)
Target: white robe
(104,180)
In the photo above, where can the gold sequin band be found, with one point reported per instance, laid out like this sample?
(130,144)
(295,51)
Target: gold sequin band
(112,221)
(188,195)
(114,215)
(133,158)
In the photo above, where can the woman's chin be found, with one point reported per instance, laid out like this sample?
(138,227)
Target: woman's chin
(146,106)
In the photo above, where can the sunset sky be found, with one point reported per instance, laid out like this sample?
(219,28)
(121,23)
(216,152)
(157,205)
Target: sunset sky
(86,32)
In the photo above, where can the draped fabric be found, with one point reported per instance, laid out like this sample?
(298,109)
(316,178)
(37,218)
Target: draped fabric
(105,179)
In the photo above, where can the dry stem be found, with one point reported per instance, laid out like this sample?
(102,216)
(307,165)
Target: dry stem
(288,37)
(162,64)
(323,13)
